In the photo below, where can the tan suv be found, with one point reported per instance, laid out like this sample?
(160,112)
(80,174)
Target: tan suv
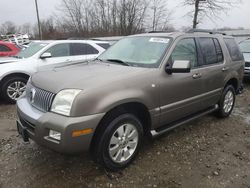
(145,84)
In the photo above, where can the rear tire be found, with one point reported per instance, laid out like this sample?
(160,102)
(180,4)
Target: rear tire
(13,88)
(227,101)
(117,146)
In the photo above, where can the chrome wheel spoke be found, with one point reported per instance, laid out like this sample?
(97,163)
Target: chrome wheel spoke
(120,131)
(10,89)
(132,144)
(22,88)
(133,135)
(118,155)
(128,129)
(114,150)
(126,153)
(114,140)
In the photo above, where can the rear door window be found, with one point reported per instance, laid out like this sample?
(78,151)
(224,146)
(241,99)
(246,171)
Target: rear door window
(104,45)
(233,49)
(209,50)
(218,49)
(82,49)
(4,48)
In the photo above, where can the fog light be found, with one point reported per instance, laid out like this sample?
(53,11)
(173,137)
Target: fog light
(55,135)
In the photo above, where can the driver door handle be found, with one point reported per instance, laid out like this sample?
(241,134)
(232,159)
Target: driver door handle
(197,75)
(224,69)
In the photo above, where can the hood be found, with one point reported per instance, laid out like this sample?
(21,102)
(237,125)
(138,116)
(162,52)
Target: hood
(4,60)
(83,76)
(246,57)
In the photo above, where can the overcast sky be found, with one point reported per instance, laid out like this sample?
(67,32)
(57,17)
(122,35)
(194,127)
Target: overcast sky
(23,11)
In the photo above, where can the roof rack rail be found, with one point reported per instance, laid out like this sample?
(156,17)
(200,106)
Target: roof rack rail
(205,31)
(157,32)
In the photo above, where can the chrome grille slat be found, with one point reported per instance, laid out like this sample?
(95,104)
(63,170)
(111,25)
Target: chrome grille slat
(42,100)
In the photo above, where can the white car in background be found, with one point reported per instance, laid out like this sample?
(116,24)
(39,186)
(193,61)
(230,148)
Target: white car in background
(43,55)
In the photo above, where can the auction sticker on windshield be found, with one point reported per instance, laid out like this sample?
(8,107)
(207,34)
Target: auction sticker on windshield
(160,40)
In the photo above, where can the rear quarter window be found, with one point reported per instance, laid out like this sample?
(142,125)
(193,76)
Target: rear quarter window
(104,45)
(82,49)
(233,49)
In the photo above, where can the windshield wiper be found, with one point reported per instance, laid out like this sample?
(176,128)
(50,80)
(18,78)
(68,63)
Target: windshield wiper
(118,61)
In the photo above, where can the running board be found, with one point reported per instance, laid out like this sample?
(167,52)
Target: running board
(161,131)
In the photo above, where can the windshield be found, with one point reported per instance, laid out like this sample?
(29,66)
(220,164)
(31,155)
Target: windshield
(137,51)
(245,46)
(33,48)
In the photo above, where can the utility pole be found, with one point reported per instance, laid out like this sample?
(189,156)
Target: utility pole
(38,21)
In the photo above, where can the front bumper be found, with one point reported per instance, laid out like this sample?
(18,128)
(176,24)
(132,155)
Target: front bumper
(247,72)
(37,125)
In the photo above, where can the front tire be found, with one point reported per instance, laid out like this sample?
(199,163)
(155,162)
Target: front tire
(13,88)
(118,145)
(227,101)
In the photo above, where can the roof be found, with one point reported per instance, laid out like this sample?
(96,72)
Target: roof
(68,41)
(4,42)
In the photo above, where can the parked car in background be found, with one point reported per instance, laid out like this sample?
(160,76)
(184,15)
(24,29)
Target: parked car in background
(8,49)
(42,55)
(144,84)
(245,48)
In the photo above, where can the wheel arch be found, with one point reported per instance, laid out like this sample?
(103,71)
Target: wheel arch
(136,108)
(234,82)
(11,75)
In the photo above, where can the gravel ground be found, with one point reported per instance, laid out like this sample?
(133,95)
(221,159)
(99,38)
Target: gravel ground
(208,152)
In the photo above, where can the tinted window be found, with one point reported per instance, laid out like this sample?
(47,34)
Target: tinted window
(82,49)
(104,45)
(4,48)
(185,50)
(59,50)
(208,50)
(218,49)
(234,50)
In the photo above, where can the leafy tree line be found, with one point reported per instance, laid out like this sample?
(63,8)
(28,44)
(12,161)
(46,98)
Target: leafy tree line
(90,18)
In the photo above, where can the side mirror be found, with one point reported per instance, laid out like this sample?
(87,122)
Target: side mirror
(46,55)
(179,66)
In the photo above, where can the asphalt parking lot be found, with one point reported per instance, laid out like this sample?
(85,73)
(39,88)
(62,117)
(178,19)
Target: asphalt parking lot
(208,152)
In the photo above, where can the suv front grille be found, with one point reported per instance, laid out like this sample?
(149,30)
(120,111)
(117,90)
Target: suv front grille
(247,64)
(39,98)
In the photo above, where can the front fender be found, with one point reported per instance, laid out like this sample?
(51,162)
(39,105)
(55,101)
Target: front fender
(104,102)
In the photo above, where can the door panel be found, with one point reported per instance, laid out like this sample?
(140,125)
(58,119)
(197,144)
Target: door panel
(181,93)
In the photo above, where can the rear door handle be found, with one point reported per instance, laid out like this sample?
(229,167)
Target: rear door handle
(224,69)
(197,75)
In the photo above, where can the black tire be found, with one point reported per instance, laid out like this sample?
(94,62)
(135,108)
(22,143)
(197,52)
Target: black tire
(102,145)
(8,82)
(222,112)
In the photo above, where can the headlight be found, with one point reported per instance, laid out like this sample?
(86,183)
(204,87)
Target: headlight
(63,101)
